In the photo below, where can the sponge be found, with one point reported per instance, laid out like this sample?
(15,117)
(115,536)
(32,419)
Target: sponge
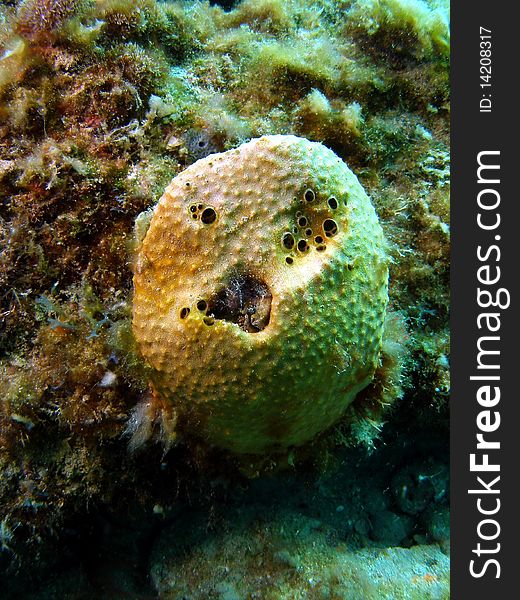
(260,291)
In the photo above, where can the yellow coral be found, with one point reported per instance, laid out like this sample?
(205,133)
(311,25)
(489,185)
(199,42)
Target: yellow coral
(260,294)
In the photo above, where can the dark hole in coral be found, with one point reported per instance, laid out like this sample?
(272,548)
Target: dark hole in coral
(289,260)
(333,203)
(321,248)
(308,232)
(330,227)
(193,208)
(303,246)
(200,206)
(194,216)
(202,305)
(209,320)
(295,229)
(318,239)
(208,215)
(302,221)
(309,196)
(245,301)
(185,312)
(288,240)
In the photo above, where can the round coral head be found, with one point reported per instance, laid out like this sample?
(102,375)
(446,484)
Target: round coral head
(260,295)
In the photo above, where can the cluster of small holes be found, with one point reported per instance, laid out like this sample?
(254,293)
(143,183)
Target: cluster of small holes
(207,214)
(245,301)
(202,306)
(320,245)
(208,320)
(300,237)
(302,225)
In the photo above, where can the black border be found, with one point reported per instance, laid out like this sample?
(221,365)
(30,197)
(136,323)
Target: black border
(472,132)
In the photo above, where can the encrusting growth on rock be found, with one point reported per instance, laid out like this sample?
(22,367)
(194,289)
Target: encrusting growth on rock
(260,291)
(40,17)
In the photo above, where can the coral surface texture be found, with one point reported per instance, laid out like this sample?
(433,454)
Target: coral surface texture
(260,293)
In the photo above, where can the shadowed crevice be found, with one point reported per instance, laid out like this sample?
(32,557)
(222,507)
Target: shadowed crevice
(245,301)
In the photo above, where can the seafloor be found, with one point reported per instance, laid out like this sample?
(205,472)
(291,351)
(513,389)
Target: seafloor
(102,103)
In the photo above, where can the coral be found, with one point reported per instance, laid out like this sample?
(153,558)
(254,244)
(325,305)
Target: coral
(260,293)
